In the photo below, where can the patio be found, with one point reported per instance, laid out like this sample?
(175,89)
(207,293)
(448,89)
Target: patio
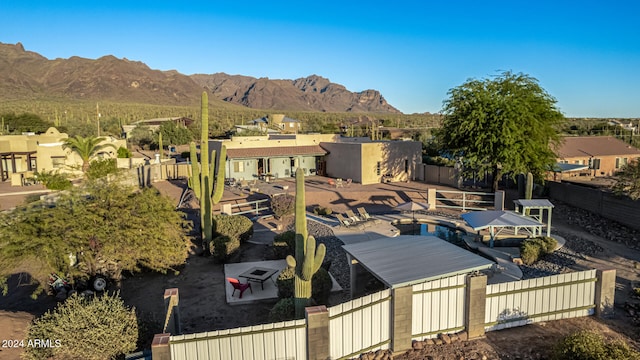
(268,290)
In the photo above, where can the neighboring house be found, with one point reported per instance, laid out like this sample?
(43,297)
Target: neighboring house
(594,155)
(24,154)
(624,124)
(360,159)
(153,124)
(285,124)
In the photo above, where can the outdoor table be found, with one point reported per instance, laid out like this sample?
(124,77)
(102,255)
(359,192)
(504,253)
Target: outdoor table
(258,274)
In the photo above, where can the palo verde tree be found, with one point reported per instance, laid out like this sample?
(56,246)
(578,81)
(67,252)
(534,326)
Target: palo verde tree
(505,124)
(87,148)
(99,228)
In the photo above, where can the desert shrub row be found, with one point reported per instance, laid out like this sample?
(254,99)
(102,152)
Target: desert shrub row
(284,244)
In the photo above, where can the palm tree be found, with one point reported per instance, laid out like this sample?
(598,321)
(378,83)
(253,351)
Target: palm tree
(87,148)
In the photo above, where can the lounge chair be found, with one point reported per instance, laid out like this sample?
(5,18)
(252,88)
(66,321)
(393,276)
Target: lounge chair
(237,285)
(364,214)
(344,222)
(353,217)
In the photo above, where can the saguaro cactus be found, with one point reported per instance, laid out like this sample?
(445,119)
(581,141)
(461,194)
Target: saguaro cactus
(528,192)
(308,258)
(201,181)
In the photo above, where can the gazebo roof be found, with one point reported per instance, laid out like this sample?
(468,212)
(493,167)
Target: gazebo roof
(480,220)
(534,203)
(406,260)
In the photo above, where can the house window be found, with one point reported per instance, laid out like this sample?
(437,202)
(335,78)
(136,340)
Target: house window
(290,124)
(57,161)
(406,166)
(617,163)
(238,166)
(378,168)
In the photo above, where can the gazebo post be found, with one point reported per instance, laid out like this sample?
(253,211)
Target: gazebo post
(549,222)
(491,234)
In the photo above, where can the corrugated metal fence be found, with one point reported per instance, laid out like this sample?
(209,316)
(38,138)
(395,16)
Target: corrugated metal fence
(283,340)
(553,297)
(360,325)
(438,307)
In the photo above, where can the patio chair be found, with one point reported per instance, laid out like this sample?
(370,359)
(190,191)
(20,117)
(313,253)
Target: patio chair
(237,285)
(364,214)
(344,222)
(353,217)
(348,182)
(339,183)
(331,182)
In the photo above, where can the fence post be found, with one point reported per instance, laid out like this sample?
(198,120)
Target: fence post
(464,201)
(317,318)
(172,314)
(475,305)
(401,311)
(160,347)
(431,198)
(605,292)
(498,200)
(226,209)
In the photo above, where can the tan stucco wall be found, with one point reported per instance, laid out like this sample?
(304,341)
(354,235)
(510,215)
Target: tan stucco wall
(392,156)
(344,160)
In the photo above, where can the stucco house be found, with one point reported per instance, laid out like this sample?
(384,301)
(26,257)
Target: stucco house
(594,155)
(21,155)
(360,159)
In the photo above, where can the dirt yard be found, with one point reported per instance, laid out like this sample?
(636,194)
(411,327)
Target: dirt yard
(203,307)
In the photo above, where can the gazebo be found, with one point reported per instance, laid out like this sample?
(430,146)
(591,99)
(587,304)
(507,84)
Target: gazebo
(407,260)
(498,220)
(524,207)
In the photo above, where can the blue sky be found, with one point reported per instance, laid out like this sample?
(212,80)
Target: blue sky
(586,54)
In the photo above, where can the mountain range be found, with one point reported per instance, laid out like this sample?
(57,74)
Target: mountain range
(28,75)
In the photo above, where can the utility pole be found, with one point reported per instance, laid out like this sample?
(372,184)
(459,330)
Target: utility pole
(98,118)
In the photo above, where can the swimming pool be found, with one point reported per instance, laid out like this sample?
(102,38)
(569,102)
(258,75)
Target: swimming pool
(443,230)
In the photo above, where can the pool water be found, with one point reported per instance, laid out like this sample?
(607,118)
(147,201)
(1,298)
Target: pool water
(453,236)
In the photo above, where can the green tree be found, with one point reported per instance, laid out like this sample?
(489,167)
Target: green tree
(628,180)
(25,122)
(87,148)
(175,134)
(98,328)
(504,124)
(109,228)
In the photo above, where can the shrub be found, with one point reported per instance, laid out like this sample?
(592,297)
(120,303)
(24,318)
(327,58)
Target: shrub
(531,250)
(321,286)
(283,205)
(223,246)
(98,328)
(235,227)
(101,168)
(588,345)
(285,283)
(284,244)
(321,210)
(124,153)
(53,180)
(283,310)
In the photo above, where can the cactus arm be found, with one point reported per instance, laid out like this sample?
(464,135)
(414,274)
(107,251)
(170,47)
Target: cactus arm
(194,179)
(529,187)
(219,188)
(300,207)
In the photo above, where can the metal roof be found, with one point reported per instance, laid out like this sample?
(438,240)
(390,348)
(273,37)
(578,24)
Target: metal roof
(533,203)
(406,260)
(564,167)
(479,220)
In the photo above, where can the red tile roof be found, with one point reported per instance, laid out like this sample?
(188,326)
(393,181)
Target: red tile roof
(586,146)
(275,151)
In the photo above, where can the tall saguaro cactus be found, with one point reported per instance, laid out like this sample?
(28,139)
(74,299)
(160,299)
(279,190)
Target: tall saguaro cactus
(308,258)
(202,182)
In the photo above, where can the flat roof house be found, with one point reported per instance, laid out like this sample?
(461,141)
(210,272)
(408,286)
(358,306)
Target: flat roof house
(601,155)
(27,153)
(359,159)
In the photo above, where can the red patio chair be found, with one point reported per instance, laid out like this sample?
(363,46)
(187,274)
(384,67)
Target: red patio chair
(237,285)
(331,182)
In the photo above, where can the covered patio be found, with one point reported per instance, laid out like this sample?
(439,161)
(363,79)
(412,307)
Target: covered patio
(407,260)
(498,220)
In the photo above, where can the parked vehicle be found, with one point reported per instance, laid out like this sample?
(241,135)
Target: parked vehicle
(62,288)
